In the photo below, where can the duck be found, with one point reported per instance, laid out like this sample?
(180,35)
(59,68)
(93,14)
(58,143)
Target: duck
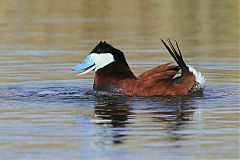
(113,74)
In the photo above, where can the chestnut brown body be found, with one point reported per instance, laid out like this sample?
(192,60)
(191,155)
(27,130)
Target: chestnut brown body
(158,81)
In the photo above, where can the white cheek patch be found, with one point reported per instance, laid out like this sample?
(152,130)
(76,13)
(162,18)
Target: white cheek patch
(101,60)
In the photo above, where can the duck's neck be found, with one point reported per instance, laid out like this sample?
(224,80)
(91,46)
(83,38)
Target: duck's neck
(110,76)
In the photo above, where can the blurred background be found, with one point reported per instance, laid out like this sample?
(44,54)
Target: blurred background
(42,39)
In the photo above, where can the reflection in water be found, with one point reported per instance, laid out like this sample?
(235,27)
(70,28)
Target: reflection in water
(111,112)
(117,116)
(180,117)
(173,113)
(172,109)
(149,127)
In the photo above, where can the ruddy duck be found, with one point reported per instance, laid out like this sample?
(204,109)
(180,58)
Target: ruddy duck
(113,74)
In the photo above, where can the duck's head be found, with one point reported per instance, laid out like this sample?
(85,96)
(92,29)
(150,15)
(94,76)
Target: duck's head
(102,55)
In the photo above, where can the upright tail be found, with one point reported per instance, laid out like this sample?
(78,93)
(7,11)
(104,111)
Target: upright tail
(176,56)
(200,81)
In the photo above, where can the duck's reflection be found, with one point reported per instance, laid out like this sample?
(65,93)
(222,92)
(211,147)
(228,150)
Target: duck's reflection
(172,112)
(175,115)
(111,116)
(111,110)
(115,119)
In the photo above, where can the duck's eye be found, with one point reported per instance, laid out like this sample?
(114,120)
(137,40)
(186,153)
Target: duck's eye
(99,50)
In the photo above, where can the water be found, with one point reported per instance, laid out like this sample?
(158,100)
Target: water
(46,112)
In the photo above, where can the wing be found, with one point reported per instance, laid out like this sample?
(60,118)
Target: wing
(158,69)
(158,75)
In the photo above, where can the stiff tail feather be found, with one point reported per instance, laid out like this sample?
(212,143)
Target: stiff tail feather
(177,56)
